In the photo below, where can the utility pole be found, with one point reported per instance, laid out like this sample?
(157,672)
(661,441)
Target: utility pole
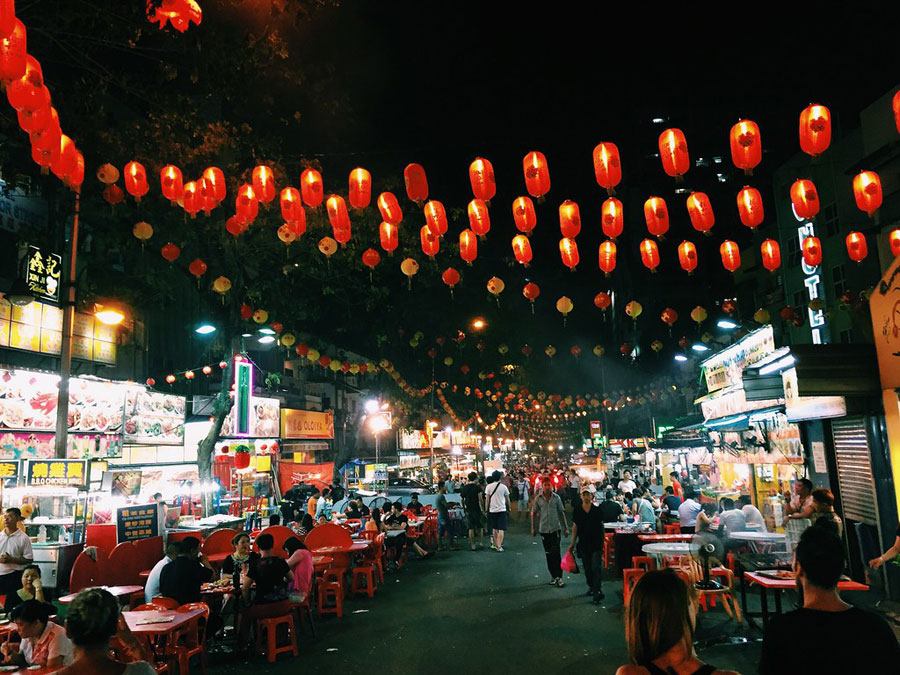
(65,354)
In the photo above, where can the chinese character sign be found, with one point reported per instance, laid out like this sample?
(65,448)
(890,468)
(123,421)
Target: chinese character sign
(59,472)
(42,273)
(137,522)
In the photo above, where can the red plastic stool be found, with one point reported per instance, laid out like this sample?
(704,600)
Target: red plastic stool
(364,579)
(330,590)
(270,628)
(644,562)
(673,529)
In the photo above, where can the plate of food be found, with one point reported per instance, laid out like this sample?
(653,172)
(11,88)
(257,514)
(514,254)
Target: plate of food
(784,575)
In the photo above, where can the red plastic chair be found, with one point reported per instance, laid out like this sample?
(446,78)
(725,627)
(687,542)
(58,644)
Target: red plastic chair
(87,572)
(330,590)
(192,641)
(219,542)
(645,562)
(151,607)
(125,565)
(269,629)
(280,534)
(327,534)
(672,529)
(630,578)
(164,602)
(609,548)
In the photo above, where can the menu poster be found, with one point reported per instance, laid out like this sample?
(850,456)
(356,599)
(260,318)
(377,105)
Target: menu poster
(137,522)
(57,472)
(9,469)
(154,418)
(265,419)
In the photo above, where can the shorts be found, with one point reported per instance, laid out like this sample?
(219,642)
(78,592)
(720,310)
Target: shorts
(497,521)
(443,527)
(474,518)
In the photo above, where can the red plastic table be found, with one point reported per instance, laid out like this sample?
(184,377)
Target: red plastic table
(118,592)
(158,622)
(778,586)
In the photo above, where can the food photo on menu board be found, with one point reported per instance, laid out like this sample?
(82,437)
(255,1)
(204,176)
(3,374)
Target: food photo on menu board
(151,417)
(265,419)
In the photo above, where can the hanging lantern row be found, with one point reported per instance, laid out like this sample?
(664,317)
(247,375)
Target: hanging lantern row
(179,13)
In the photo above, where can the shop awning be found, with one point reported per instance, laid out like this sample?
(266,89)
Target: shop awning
(822,370)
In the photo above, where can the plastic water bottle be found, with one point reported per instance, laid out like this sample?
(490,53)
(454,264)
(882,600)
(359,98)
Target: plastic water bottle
(42,534)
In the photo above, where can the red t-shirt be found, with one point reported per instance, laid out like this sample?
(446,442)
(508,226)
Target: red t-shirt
(677,487)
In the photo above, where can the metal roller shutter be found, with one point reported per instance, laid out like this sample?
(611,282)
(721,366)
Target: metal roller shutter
(854,470)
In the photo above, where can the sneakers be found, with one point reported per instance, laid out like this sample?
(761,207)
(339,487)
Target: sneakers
(493,548)
(553,581)
(499,549)
(560,583)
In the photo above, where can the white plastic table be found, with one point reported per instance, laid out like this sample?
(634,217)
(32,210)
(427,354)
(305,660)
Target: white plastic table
(661,549)
(760,542)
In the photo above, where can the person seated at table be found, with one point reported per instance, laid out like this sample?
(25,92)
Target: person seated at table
(374,523)
(274,519)
(397,520)
(731,520)
(356,510)
(32,589)
(304,527)
(182,578)
(44,643)
(271,575)
(95,627)
(312,502)
(242,555)
(688,511)
(823,503)
(321,520)
(414,504)
(300,562)
(752,514)
(671,502)
(706,517)
(841,638)
(642,507)
(611,509)
(659,628)
(151,588)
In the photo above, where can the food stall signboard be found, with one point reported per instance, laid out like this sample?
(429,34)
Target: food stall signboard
(42,273)
(727,366)
(153,418)
(137,522)
(243,392)
(307,424)
(58,472)
(9,469)
(265,415)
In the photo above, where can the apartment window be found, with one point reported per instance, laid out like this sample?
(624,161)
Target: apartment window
(846,337)
(839,279)
(793,251)
(827,220)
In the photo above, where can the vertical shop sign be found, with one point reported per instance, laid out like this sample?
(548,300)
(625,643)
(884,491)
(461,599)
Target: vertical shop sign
(243,390)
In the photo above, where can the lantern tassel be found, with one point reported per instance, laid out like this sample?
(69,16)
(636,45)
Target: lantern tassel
(532,308)
(371,280)
(409,283)
(611,191)
(451,293)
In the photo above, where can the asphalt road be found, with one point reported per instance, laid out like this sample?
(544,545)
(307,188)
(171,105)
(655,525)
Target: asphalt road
(482,612)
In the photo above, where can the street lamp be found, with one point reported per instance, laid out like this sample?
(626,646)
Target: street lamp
(108,314)
(205,328)
(478,323)
(378,423)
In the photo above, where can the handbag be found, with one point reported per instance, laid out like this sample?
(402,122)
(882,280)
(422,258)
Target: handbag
(568,563)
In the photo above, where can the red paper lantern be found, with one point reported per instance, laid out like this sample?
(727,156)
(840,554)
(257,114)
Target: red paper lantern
(371,258)
(857,248)
(481,176)
(135,180)
(207,370)
(416,183)
(771,254)
(246,206)
(28,91)
(436,218)
(46,140)
(430,243)
(151,382)
(669,316)
(390,208)
(522,249)
(388,236)
(805,199)
(312,188)
(894,239)
(191,198)
(241,460)
(113,194)
(342,236)
(171,183)
(531,291)
(214,187)
(170,252)
(607,255)
(360,188)
(603,300)
(701,212)
(65,163)
(626,348)
(731,255)
(687,256)
(180,13)
(746,147)
(479,219)
(750,207)
(569,219)
(812,251)
(264,183)
(524,215)
(246,311)
(76,177)
(235,226)
(867,191)
(450,277)
(537,174)
(673,152)
(815,129)
(338,215)
(170,379)
(895,105)
(568,251)
(607,166)
(13,49)
(650,254)
(291,204)
(31,121)
(468,246)
(656,213)
(612,218)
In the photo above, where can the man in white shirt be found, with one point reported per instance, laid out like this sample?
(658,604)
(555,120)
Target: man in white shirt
(322,503)
(151,590)
(752,514)
(15,552)
(497,495)
(687,513)
(626,484)
(574,488)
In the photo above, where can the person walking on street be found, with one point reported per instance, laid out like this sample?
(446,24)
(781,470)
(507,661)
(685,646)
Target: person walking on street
(471,500)
(497,497)
(547,507)
(588,530)
(574,485)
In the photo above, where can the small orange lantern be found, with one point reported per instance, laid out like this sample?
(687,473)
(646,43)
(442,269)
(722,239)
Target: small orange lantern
(607,254)
(136,180)
(812,251)
(894,239)
(264,183)
(191,198)
(669,316)
(750,207)
(360,191)
(611,217)
(416,183)
(171,183)
(291,206)
(524,215)
(771,254)
(451,278)
(338,215)
(656,213)
(197,268)
(170,252)
(431,244)
(388,236)
(312,188)
(650,254)
(246,206)
(479,218)
(805,199)
(436,218)
(746,148)
(607,166)
(481,176)
(731,255)
(867,190)
(673,152)
(569,219)
(857,248)
(687,256)
(701,212)
(390,208)
(522,249)
(468,246)
(815,129)
(537,174)
(603,300)
(568,251)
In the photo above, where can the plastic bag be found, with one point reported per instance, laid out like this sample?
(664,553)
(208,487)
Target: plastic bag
(568,563)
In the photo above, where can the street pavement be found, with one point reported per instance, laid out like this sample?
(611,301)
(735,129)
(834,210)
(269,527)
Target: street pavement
(483,612)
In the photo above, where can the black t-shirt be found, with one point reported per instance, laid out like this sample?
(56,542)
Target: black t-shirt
(231,566)
(469,493)
(269,575)
(590,528)
(353,512)
(842,643)
(400,519)
(611,511)
(181,579)
(415,507)
(672,503)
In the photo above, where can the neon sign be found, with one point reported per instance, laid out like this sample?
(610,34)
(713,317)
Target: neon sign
(812,280)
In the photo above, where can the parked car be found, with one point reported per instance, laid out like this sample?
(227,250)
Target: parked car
(403,487)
